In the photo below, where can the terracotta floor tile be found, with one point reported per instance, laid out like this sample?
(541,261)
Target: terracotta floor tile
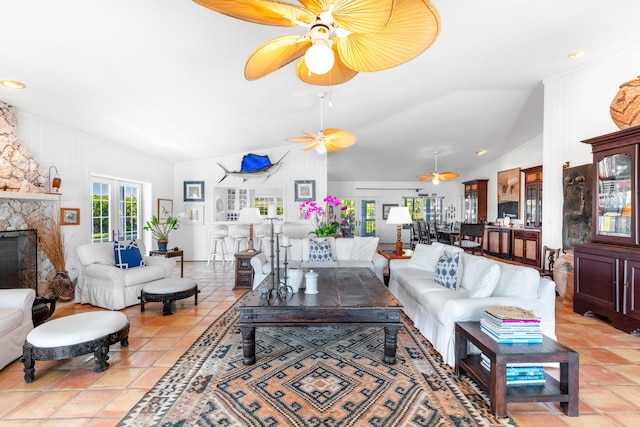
(538,420)
(604,400)
(629,371)
(87,403)
(42,406)
(121,405)
(11,400)
(600,355)
(630,393)
(630,354)
(626,420)
(149,378)
(118,377)
(590,420)
(66,422)
(601,375)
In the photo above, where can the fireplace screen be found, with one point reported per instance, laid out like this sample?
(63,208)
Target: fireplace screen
(19,259)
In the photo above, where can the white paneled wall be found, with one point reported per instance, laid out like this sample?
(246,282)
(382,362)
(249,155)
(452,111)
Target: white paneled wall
(296,165)
(77,155)
(577,108)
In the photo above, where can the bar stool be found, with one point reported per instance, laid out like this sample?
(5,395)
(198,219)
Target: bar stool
(218,235)
(260,233)
(240,236)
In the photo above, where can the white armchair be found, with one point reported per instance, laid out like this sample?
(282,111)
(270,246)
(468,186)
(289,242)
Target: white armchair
(103,284)
(15,322)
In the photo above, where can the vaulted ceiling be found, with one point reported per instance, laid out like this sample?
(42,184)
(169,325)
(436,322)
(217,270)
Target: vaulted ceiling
(167,77)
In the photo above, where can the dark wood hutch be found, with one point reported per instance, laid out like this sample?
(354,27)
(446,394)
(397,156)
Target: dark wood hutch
(475,200)
(607,270)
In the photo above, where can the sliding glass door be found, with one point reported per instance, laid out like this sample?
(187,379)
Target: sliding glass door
(115,210)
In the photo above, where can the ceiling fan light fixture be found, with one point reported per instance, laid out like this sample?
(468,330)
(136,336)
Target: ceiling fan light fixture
(319,58)
(435,180)
(321,148)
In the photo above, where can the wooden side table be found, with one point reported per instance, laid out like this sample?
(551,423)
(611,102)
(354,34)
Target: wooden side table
(392,254)
(244,271)
(171,254)
(564,391)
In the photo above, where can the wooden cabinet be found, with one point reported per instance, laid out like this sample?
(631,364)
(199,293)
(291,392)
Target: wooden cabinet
(475,201)
(244,271)
(533,196)
(606,277)
(497,241)
(606,281)
(526,246)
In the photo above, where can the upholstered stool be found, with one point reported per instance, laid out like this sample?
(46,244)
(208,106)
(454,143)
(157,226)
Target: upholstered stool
(75,335)
(218,235)
(240,235)
(167,291)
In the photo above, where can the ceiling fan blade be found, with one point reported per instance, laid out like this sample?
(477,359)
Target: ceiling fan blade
(267,12)
(338,138)
(357,16)
(414,27)
(445,176)
(274,55)
(306,139)
(427,177)
(310,146)
(340,73)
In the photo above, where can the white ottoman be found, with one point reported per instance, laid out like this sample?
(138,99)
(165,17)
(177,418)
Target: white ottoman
(75,335)
(167,291)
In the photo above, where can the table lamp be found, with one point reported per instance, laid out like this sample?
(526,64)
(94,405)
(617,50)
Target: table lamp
(399,215)
(250,216)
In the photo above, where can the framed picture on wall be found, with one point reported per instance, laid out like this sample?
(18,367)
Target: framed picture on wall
(194,191)
(509,193)
(165,210)
(69,216)
(305,190)
(386,209)
(193,214)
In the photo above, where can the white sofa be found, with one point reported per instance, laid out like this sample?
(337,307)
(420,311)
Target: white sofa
(15,322)
(348,252)
(104,285)
(481,283)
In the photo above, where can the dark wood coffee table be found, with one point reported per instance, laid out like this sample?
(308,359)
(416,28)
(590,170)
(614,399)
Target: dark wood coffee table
(346,297)
(564,391)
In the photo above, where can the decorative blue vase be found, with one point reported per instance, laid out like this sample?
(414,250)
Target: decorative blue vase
(162,245)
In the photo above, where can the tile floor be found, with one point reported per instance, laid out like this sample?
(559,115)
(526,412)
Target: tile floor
(68,393)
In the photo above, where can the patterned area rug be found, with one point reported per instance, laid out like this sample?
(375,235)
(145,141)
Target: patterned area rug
(312,377)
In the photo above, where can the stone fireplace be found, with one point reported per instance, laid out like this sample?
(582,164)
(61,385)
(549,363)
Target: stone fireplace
(23,194)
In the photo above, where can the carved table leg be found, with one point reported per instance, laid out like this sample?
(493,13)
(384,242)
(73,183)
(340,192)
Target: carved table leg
(248,344)
(29,363)
(101,355)
(390,343)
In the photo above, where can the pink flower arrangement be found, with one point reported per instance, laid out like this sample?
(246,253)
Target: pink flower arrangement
(316,212)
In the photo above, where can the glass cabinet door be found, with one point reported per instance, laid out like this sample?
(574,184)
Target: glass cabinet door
(614,196)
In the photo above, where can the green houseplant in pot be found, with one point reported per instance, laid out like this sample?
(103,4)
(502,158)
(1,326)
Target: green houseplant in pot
(160,231)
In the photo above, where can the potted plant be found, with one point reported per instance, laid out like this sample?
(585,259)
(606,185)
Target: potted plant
(160,231)
(325,226)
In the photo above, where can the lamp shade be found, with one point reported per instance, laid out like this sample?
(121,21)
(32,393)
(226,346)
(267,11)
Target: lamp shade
(399,215)
(250,216)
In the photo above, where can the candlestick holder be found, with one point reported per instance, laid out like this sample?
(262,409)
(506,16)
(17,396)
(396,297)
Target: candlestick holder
(278,291)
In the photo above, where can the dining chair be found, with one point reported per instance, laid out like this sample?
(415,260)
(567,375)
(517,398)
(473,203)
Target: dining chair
(470,237)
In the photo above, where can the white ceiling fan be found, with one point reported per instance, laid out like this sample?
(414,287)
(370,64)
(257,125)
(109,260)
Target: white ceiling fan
(327,140)
(435,177)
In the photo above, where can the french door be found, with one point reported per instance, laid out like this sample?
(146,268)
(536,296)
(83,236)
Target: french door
(115,210)
(358,217)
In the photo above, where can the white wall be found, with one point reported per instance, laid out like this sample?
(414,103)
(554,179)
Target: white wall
(296,165)
(77,155)
(392,193)
(577,108)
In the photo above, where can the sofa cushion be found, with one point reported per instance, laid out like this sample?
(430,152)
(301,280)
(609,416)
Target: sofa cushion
(343,248)
(446,273)
(320,251)
(480,275)
(363,249)
(127,255)
(517,281)
(10,319)
(137,276)
(425,257)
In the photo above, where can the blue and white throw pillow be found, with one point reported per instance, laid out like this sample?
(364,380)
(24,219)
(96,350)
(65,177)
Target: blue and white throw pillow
(127,256)
(446,273)
(320,251)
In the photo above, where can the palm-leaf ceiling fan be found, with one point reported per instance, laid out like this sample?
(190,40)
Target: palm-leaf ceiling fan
(327,140)
(344,37)
(435,177)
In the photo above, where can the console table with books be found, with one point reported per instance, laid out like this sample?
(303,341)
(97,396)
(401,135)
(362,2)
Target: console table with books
(499,355)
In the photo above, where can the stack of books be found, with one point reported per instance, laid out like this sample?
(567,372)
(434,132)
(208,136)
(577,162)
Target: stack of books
(519,373)
(511,325)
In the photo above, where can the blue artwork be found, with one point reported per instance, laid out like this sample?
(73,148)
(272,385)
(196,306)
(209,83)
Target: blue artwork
(254,166)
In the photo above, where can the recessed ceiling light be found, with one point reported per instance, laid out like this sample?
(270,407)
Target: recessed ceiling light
(481,152)
(12,84)
(576,55)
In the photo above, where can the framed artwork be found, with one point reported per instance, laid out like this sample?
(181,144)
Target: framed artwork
(305,190)
(165,210)
(69,216)
(509,193)
(386,209)
(194,191)
(193,214)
